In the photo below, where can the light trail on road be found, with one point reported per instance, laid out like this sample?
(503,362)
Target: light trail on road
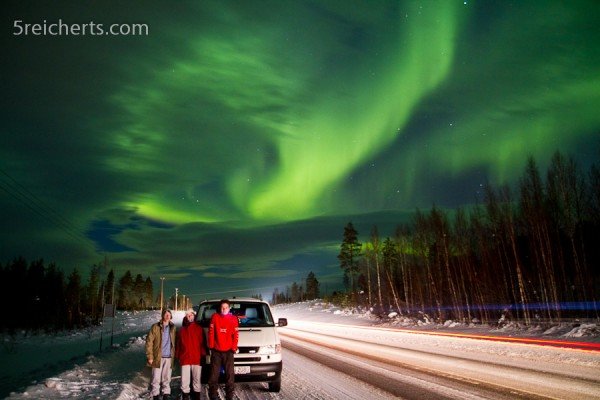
(586,346)
(453,363)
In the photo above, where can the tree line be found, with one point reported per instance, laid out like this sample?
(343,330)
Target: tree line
(297,292)
(44,298)
(530,253)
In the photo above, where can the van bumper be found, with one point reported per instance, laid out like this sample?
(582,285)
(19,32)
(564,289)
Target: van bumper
(260,372)
(264,372)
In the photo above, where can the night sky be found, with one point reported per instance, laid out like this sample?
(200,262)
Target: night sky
(227,149)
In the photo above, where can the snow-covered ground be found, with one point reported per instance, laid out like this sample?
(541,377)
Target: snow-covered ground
(70,365)
(319,311)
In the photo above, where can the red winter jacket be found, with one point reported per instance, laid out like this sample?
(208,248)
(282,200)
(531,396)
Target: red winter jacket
(190,343)
(223,332)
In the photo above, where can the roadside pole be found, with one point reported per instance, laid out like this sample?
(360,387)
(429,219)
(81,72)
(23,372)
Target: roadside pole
(107,312)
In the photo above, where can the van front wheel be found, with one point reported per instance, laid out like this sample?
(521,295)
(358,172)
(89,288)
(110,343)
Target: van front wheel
(275,386)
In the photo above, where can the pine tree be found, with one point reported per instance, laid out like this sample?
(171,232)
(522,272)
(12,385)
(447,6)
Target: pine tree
(93,306)
(73,297)
(349,256)
(275,296)
(312,286)
(109,288)
(148,291)
(53,293)
(124,298)
(138,292)
(35,279)
(296,292)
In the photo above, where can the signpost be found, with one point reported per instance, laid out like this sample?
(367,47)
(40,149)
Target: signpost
(109,312)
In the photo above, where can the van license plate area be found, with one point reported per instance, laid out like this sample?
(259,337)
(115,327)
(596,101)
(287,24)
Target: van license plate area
(242,370)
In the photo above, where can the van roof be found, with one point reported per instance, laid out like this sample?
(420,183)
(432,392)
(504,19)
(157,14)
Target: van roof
(235,299)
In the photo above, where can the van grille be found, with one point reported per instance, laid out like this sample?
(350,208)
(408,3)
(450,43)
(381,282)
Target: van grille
(246,359)
(248,350)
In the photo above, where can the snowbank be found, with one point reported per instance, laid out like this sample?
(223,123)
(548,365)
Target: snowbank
(320,311)
(66,363)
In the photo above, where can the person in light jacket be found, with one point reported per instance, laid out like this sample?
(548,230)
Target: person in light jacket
(160,348)
(189,352)
(223,342)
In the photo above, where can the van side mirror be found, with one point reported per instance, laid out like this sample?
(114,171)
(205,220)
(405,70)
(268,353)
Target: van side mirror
(282,322)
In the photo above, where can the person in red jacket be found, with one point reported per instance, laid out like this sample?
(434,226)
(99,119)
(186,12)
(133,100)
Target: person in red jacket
(189,351)
(223,342)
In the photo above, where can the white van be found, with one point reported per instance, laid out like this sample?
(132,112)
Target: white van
(259,355)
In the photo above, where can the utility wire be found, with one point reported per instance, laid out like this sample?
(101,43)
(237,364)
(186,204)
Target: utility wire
(39,207)
(22,188)
(33,208)
(249,289)
(38,200)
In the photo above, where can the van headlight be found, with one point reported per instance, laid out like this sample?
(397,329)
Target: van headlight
(270,349)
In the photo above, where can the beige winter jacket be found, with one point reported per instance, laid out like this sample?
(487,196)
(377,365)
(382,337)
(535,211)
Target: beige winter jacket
(154,343)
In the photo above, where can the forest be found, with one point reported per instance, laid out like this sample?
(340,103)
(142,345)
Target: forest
(50,301)
(530,253)
(297,292)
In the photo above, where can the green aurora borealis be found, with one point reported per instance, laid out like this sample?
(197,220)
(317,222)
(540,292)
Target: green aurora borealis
(230,145)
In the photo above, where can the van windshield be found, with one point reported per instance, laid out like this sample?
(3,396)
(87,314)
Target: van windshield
(249,314)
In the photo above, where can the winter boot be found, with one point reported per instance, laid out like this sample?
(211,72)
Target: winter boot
(185,396)
(195,395)
(157,397)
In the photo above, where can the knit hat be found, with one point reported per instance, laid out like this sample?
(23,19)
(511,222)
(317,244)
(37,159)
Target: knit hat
(190,311)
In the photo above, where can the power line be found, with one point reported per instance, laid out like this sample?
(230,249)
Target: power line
(250,289)
(39,213)
(40,202)
(39,207)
